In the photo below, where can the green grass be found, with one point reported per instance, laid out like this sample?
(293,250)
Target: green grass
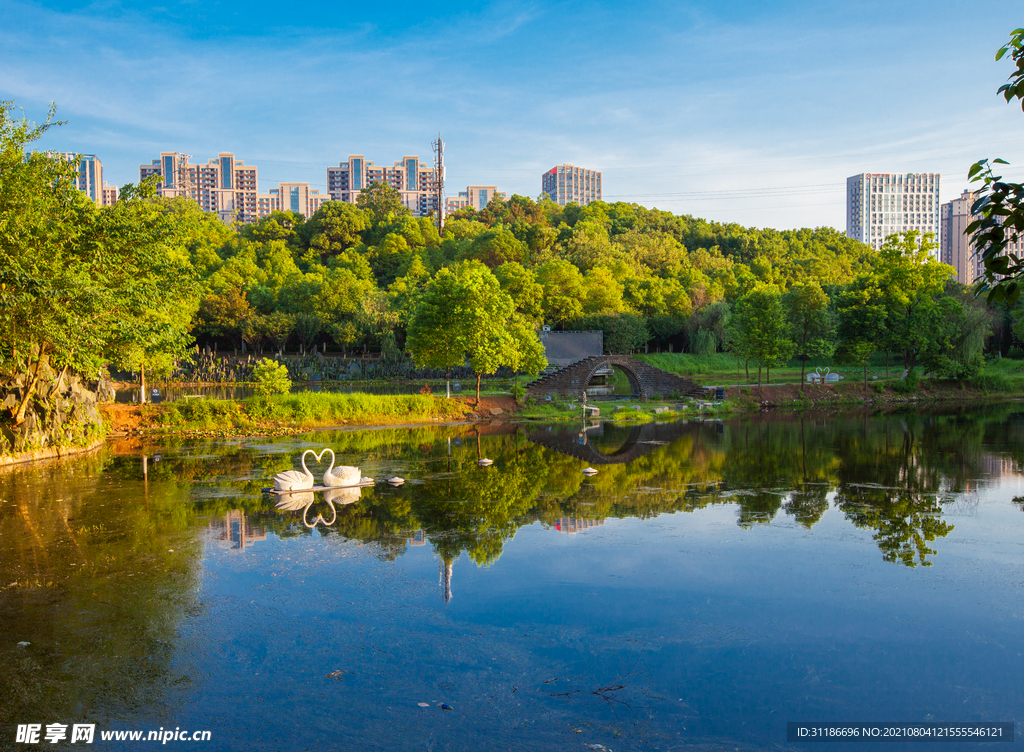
(305,410)
(723,369)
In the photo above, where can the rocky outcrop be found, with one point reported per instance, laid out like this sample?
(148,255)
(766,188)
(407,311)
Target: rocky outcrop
(62,416)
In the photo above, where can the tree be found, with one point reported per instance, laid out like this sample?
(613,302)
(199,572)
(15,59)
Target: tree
(278,327)
(334,227)
(810,321)
(862,318)
(908,281)
(521,284)
(563,290)
(383,202)
(271,378)
(999,205)
(526,354)
(760,330)
(307,328)
(462,315)
(222,314)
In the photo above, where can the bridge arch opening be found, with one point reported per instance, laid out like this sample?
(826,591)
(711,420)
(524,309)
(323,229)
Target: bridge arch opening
(613,380)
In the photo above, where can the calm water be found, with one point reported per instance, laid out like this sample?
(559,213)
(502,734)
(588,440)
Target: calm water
(712,582)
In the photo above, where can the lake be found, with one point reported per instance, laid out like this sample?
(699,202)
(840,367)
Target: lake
(712,582)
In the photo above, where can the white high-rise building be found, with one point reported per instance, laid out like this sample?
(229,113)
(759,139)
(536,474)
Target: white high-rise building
(881,204)
(414,180)
(957,249)
(567,183)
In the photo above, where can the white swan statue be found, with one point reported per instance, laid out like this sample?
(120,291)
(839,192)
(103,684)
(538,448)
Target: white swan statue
(342,475)
(293,480)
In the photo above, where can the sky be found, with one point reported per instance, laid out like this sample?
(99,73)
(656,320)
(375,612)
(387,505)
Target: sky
(746,112)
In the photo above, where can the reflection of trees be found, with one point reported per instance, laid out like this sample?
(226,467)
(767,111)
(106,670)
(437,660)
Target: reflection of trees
(97,582)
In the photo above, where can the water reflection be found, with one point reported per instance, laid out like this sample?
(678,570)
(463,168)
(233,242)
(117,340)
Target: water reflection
(891,475)
(100,562)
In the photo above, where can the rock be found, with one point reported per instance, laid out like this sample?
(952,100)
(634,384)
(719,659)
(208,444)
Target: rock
(496,411)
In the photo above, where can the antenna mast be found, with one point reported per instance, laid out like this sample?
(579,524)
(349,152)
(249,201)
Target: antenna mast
(438,147)
(184,177)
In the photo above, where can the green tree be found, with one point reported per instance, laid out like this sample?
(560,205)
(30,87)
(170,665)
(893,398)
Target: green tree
(909,281)
(271,378)
(307,328)
(521,284)
(334,227)
(222,314)
(760,330)
(812,326)
(278,328)
(563,290)
(862,318)
(999,204)
(383,202)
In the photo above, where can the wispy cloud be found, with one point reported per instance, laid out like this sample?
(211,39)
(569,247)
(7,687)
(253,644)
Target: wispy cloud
(775,103)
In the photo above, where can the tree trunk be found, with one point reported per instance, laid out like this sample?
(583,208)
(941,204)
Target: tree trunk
(478,389)
(746,364)
(865,374)
(19,414)
(767,374)
(759,378)
(56,385)
(803,367)
(142,384)
(447,383)
(887,362)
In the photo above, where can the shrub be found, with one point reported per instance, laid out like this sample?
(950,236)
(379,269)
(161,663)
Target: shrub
(271,378)
(992,382)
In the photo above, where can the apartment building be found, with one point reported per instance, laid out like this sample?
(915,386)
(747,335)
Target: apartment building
(295,197)
(881,204)
(224,186)
(955,248)
(413,179)
(566,183)
(476,196)
(90,178)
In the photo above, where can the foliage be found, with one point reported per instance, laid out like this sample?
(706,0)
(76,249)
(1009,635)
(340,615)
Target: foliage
(271,377)
(999,204)
(759,330)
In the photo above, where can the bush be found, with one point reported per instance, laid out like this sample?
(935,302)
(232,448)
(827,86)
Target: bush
(271,378)
(992,382)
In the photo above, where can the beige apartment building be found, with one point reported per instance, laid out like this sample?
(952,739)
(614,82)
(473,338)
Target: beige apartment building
(414,180)
(90,178)
(476,196)
(294,197)
(566,183)
(955,248)
(881,204)
(224,186)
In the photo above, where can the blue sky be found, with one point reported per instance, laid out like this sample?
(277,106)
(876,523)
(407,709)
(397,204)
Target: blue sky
(750,112)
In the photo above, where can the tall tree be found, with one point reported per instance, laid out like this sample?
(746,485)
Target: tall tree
(811,324)
(760,330)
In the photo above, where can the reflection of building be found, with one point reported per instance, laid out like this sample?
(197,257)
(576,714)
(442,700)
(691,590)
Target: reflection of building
(418,539)
(998,465)
(235,527)
(446,579)
(572,525)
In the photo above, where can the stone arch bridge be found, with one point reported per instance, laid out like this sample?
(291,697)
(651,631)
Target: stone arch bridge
(645,380)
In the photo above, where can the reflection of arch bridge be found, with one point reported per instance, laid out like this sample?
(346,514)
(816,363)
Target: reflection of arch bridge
(642,438)
(645,380)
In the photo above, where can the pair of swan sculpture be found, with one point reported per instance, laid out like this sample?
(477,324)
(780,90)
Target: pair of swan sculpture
(341,476)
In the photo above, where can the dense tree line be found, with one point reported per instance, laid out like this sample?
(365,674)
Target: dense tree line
(137,283)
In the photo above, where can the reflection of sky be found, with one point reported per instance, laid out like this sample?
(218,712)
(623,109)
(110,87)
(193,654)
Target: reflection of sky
(716,633)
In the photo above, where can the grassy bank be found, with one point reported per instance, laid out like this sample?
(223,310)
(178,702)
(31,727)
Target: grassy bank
(291,412)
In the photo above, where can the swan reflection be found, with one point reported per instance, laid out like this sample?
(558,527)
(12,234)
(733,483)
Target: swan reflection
(295,502)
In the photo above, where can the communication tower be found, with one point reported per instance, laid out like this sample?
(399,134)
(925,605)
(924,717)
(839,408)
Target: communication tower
(438,147)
